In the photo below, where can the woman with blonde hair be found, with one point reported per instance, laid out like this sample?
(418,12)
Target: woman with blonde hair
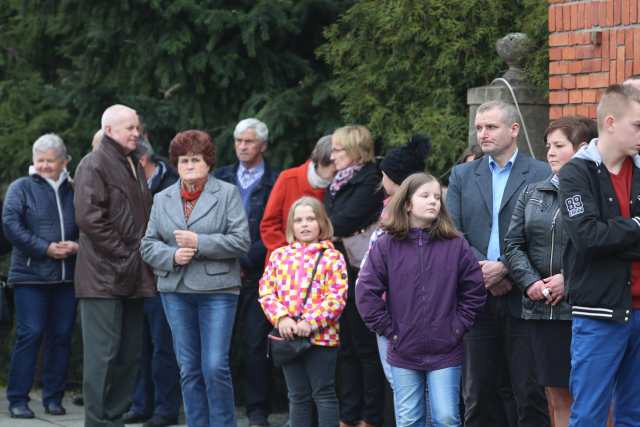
(354,202)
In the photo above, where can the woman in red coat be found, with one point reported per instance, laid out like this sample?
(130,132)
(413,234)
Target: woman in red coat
(307,179)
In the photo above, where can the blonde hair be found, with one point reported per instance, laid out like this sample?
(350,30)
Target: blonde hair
(324,223)
(396,221)
(356,141)
(615,102)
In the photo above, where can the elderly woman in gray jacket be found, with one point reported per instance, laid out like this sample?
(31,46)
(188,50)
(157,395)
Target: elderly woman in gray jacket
(196,234)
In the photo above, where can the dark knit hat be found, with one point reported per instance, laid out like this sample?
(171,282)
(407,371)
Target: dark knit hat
(403,161)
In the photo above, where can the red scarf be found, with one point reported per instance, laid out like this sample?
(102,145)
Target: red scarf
(189,198)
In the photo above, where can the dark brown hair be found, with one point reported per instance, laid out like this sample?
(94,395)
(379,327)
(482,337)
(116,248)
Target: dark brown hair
(396,221)
(577,129)
(474,150)
(192,142)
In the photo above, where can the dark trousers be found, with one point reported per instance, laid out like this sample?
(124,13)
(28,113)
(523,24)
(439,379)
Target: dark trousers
(499,383)
(360,376)
(254,328)
(112,341)
(41,311)
(158,383)
(311,379)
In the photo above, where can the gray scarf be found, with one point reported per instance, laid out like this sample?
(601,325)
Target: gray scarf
(314,179)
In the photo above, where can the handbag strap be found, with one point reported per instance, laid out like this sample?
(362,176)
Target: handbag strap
(313,274)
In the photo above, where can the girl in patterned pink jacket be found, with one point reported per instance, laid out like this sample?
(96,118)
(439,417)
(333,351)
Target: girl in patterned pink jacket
(286,280)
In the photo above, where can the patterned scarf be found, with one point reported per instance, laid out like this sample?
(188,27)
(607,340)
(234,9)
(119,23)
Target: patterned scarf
(189,198)
(343,176)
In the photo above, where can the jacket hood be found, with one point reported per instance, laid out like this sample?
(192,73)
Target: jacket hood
(592,154)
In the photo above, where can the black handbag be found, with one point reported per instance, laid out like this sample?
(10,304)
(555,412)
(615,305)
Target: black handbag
(283,351)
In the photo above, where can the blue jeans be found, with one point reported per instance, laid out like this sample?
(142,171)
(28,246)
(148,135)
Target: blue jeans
(42,310)
(252,325)
(201,326)
(411,402)
(157,386)
(605,364)
(383,346)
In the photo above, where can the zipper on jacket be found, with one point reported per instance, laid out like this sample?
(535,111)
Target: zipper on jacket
(61,226)
(553,238)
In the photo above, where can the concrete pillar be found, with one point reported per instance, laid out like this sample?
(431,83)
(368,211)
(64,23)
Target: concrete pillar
(533,105)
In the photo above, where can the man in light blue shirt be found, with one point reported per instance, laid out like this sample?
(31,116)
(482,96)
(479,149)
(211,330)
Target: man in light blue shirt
(498,385)
(499,178)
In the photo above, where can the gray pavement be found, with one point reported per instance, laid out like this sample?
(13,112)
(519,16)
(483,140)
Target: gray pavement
(75,415)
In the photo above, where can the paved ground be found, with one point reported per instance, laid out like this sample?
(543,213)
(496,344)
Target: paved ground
(75,415)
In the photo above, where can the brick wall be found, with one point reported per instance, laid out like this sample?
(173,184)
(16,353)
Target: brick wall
(592,44)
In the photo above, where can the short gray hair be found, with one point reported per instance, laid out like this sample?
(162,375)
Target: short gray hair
(321,154)
(509,112)
(143,146)
(262,132)
(50,141)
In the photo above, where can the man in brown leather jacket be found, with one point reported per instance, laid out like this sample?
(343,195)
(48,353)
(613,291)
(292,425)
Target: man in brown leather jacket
(112,205)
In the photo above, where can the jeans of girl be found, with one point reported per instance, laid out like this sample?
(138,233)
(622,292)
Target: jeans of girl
(311,379)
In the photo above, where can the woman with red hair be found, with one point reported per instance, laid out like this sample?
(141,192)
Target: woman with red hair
(196,234)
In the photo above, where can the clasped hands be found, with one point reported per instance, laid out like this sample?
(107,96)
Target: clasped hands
(187,246)
(554,286)
(62,250)
(289,328)
(494,274)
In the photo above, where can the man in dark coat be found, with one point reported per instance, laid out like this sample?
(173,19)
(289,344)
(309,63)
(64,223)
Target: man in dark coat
(156,394)
(112,205)
(255,179)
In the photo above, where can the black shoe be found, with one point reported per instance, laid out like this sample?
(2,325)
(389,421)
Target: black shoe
(78,400)
(55,409)
(160,421)
(21,411)
(131,417)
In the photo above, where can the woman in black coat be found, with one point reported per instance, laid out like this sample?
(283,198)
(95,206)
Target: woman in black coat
(354,201)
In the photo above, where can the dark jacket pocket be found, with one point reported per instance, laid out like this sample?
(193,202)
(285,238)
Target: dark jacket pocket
(445,334)
(129,274)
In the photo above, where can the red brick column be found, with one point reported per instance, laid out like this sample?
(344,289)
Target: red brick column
(592,44)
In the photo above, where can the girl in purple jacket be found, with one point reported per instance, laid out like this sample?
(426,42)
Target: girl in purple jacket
(434,290)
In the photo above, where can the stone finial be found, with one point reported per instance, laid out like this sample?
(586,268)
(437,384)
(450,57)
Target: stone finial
(513,49)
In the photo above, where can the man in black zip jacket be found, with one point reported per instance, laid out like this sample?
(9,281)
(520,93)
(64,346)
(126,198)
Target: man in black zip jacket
(600,199)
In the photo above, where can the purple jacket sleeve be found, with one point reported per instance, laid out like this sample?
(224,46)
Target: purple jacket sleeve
(471,291)
(372,285)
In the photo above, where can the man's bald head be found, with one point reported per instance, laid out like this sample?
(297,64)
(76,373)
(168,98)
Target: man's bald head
(114,113)
(121,124)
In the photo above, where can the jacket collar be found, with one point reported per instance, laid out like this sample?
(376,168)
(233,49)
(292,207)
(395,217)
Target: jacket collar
(549,184)
(592,154)
(517,177)
(312,247)
(268,177)
(204,205)
(113,147)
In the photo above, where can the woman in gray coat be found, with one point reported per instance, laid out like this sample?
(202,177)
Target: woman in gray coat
(196,234)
